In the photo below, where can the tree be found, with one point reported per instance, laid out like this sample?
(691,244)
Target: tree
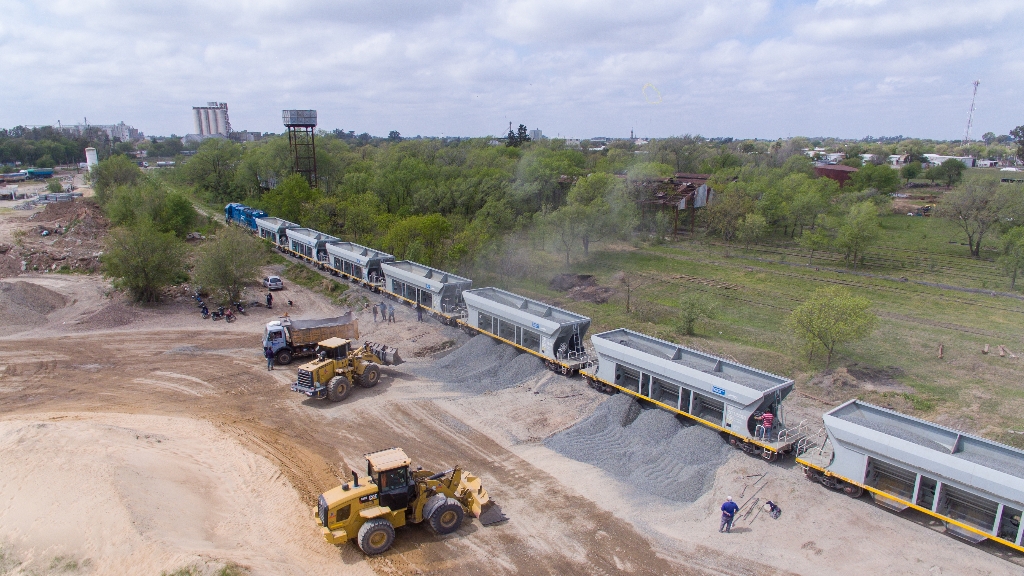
(212,169)
(567,226)
(830,317)
(286,200)
(953,171)
(880,177)
(1018,136)
(910,170)
(601,206)
(177,214)
(229,262)
(517,138)
(54,186)
(751,229)
(975,208)
(111,173)
(1012,256)
(142,259)
(692,309)
(859,229)
(394,136)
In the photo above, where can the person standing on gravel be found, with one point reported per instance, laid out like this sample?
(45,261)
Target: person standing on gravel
(391,312)
(419,312)
(374,313)
(268,353)
(270,300)
(729,511)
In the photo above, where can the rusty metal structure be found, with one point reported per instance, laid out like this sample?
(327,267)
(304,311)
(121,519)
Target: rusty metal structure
(301,125)
(681,192)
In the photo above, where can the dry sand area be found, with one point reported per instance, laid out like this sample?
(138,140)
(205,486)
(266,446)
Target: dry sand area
(144,440)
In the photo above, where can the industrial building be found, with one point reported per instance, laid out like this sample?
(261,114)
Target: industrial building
(211,119)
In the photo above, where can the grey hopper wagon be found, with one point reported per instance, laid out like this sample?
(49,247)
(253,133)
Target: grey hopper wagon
(975,486)
(358,261)
(434,289)
(551,333)
(720,393)
(275,229)
(309,243)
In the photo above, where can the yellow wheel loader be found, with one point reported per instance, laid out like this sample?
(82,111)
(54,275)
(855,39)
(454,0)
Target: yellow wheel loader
(369,508)
(338,367)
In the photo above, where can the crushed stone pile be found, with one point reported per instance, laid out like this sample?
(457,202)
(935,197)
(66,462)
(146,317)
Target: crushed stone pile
(483,365)
(648,449)
(24,303)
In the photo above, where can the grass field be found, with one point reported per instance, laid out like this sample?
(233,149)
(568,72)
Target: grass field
(754,291)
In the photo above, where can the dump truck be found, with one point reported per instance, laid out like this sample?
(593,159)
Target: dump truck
(369,508)
(289,338)
(339,366)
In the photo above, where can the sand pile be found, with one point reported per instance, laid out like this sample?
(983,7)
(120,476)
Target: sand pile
(24,303)
(483,365)
(648,449)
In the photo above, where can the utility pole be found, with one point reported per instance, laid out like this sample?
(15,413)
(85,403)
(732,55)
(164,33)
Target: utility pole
(970,116)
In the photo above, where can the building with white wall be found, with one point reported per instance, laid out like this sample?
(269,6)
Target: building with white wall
(211,119)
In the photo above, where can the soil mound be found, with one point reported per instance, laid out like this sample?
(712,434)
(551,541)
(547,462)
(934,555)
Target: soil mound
(483,365)
(648,449)
(565,282)
(24,303)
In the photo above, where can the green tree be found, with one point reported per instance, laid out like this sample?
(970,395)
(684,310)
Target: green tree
(54,186)
(420,238)
(860,228)
(880,177)
(286,200)
(752,228)
(694,308)
(1012,254)
(830,317)
(1018,136)
(910,170)
(111,173)
(212,169)
(953,171)
(229,262)
(567,227)
(142,259)
(177,214)
(975,207)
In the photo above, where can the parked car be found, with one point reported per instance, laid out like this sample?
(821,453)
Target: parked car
(273,283)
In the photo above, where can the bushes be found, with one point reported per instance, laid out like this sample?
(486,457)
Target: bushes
(143,260)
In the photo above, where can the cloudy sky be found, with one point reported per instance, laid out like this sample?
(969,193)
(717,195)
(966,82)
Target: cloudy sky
(741,68)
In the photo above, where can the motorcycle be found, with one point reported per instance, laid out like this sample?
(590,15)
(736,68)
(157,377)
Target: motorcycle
(206,312)
(240,307)
(229,316)
(219,313)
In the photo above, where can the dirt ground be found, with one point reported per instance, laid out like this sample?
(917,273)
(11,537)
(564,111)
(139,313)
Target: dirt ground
(137,440)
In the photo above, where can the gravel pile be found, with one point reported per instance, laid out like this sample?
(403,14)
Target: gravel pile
(483,365)
(24,303)
(649,449)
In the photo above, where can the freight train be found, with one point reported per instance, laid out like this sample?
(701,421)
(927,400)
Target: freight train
(973,485)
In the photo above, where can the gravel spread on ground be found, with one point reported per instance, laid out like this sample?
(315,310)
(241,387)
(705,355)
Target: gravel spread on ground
(482,365)
(648,449)
(24,303)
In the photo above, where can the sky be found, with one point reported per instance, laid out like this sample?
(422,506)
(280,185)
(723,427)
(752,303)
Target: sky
(739,68)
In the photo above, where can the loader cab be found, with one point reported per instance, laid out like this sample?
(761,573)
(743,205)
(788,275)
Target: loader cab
(333,349)
(389,470)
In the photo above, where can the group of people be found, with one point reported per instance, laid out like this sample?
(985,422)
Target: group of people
(387,312)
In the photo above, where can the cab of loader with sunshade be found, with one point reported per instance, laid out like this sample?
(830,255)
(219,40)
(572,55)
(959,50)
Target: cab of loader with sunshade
(391,495)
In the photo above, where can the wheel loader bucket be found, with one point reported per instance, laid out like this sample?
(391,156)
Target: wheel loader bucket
(492,514)
(387,354)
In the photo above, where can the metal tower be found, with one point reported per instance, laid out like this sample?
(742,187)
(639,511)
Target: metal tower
(970,116)
(301,124)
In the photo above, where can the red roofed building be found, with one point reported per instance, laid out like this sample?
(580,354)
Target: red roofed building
(837,172)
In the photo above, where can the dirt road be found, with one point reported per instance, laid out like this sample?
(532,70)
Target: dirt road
(158,440)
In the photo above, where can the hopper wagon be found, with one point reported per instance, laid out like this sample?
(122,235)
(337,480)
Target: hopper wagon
(438,291)
(553,334)
(973,485)
(275,230)
(716,392)
(358,262)
(310,244)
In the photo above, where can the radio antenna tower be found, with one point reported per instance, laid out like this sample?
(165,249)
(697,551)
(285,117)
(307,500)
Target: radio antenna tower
(970,116)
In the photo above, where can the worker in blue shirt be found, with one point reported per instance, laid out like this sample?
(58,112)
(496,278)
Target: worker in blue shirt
(729,510)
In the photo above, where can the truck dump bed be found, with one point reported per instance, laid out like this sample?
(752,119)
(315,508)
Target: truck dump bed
(304,332)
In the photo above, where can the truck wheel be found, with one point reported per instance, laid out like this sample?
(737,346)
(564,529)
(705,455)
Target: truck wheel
(338,389)
(370,376)
(447,517)
(375,536)
(284,357)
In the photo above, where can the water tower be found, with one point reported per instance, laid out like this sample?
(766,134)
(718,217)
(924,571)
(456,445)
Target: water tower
(301,125)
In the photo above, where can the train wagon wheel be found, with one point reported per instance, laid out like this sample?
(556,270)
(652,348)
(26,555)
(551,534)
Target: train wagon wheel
(853,491)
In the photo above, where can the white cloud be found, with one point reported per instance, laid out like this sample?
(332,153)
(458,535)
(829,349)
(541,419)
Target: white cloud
(726,67)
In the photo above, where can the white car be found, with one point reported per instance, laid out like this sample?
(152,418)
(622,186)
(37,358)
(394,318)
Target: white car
(273,283)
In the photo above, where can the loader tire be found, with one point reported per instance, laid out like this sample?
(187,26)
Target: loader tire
(447,517)
(284,358)
(338,388)
(375,536)
(370,377)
